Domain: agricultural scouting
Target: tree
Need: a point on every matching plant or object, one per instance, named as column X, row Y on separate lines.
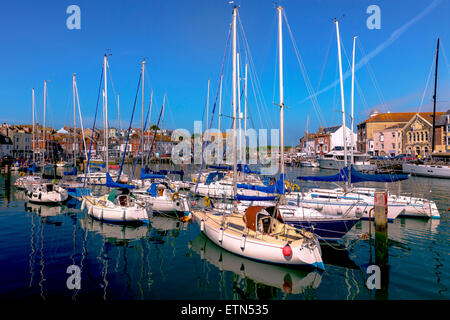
column 154, row 127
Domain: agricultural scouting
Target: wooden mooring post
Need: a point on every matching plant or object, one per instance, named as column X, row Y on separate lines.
column 381, row 240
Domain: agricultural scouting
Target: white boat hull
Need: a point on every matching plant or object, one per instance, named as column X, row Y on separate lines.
column 105, row 210
column 422, row 170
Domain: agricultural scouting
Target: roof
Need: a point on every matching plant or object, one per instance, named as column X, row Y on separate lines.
column 396, row 126
column 331, row 129
column 401, row 117
column 441, row 120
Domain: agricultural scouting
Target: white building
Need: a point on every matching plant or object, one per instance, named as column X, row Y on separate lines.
column 336, row 137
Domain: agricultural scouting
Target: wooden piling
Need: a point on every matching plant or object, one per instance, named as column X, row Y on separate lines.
column 381, row 241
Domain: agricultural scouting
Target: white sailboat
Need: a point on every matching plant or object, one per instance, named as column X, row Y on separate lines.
column 260, row 233
column 361, row 200
column 47, row 193
column 118, row 206
column 94, row 176
column 431, row 170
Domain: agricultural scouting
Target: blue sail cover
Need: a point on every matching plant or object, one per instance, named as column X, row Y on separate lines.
column 241, row 197
column 111, row 184
column 266, row 189
column 145, row 175
column 210, row 178
column 33, row 168
column 176, row 172
column 221, row 167
column 71, row 173
column 356, row 176
column 152, row 189
column 246, row 169
column 342, row 176
column 277, row 188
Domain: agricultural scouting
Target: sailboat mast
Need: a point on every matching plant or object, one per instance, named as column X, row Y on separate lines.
column 74, row 122
column 142, row 122
column 352, row 102
column 106, row 113
column 245, row 102
column 207, row 106
column 149, row 124
column 120, row 133
column 234, row 109
column 239, row 104
column 280, row 70
column 220, row 100
column 434, row 97
column 33, row 143
column 44, row 133
column 342, row 92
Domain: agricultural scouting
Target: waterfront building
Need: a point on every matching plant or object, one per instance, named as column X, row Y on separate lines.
column 381, row 121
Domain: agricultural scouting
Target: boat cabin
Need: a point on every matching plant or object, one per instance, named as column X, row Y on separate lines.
column 262, row 219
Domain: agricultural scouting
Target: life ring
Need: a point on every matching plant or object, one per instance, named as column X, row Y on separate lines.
column 295, row 187
column 174, row 196
column 194, row 180
column 207, row 201
column 21, row 174
column 54, row 181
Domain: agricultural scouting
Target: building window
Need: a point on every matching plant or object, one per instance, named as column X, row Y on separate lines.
column 409, row 136
column 393, row 146
column 393, row 134
column 426, row 136
column 421, row 136
column 325, row 148
column 381, row 137
column 382, row 146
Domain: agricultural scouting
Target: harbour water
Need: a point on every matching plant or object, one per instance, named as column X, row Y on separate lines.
column 172, row 260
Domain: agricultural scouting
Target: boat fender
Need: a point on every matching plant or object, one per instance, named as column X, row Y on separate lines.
column 358, row 212
column 91, row 209
column 101, row 214
column 83, row 204
column 287, row 250
column 40, row 196
column 221, row 234
column 124, row 215
column 207, row 201
column 174, row 196
column 202, row 225
column 243, row 242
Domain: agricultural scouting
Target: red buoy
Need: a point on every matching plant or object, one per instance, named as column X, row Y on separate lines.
column 287, row 250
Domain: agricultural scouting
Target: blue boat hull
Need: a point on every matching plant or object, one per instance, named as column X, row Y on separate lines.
column 330, row 230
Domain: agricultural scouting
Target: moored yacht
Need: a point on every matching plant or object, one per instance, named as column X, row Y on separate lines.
column 334, row 160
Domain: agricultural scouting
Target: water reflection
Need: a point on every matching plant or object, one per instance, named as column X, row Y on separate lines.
column 117, row 234
column 255, row 280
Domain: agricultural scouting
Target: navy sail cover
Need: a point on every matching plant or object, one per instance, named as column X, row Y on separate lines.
column 356, row 176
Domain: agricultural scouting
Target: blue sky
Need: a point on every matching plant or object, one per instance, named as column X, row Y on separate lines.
column 184, row 43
